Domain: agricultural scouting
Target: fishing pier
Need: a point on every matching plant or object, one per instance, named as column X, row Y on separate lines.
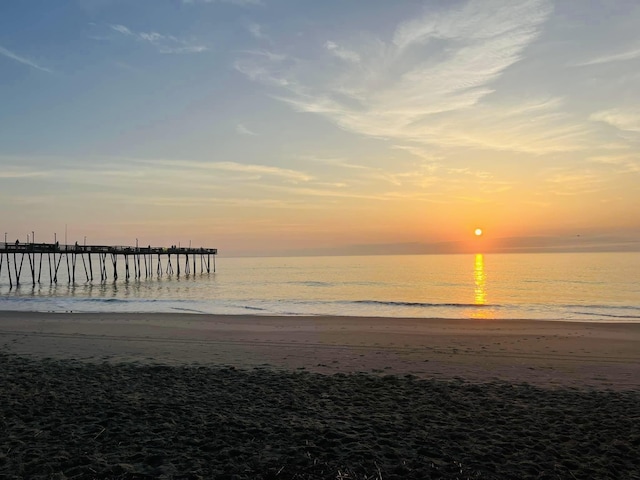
column 53, row 258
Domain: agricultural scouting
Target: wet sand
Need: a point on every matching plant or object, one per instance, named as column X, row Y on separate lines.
column 190, row 396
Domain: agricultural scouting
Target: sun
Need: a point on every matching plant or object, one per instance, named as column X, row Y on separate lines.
column 478, row 232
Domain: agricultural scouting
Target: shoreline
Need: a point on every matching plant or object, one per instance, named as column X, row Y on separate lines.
column 199, row 313
column 545, row 353
column 477, row 314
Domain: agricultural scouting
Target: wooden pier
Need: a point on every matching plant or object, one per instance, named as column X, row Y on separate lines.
column 138, row 261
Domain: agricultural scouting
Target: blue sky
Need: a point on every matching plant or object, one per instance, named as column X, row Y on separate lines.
column 270, row 127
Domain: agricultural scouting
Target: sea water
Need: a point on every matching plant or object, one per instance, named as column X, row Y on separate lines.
column 601, row 287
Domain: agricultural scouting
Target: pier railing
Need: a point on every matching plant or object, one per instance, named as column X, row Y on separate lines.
column 138, row 261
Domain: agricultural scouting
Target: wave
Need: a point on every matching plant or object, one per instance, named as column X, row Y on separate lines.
column 609, row 315
column 81, row 300
column 248, row 307
column 607, row 307
column 100, row 300
column 424, row 304
column 311, row 283
column 192, row 310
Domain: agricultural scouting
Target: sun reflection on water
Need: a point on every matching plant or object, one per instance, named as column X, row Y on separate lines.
column 480, row 292
column 480, row 280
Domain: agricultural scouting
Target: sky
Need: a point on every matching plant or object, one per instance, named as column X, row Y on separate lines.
column 295, row 127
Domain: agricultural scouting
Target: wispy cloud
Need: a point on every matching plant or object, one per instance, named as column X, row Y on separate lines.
column 342, row 53
column 199, row 201
column 271, row 56
column 123, row 180
column 615, row 57
column 167, row 44
column 338, row 193
column 122, row 29
column 16, row 172
column 240, row 3
column 242, row 130
column 438, row 63
column 567, row 182
column 262, row 169
column 263, row 66
column 338, row 162
column 23, row 60
column 622, row 163
column 535, row 126
column 256, row 31
column 627, row 118
column 292, row 175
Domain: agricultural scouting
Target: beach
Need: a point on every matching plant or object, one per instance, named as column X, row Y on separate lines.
column 110, row 395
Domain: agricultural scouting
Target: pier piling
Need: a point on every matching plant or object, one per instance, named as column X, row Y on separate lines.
column 12, row 259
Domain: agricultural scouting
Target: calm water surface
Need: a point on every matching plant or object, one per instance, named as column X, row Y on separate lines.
column 579, row 286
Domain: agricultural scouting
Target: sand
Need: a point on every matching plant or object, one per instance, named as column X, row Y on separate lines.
column 542, row 353
column 191, row 396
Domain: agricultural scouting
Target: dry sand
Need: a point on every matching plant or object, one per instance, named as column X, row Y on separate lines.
column 191, row 396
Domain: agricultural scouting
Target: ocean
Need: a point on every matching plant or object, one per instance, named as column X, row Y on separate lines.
column 594, row 287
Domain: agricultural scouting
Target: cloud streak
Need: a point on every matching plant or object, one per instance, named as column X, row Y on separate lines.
column 436, row 64
column 288, row 174
column 627, row 119
column 621, row 163
column 242, row 130
column 616, row 57
column 570, row 183
column 19, row 173
column 166, row 44
column 342, row 53
column 25, row 61
column 239, row 3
